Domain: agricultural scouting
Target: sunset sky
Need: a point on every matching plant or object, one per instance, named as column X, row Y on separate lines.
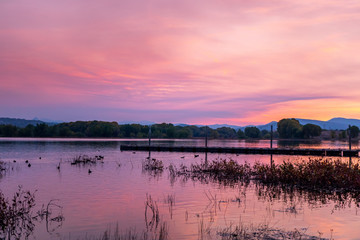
column 200, row 62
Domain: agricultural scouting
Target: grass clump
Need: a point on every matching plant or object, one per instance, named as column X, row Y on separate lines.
column 222, row 171
column 85, row 160
column 16, row 218
column 314, row 173
column 153, row 165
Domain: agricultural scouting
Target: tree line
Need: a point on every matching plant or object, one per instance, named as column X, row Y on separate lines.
column 290, row 128
column 101, row 129
column 286, row 129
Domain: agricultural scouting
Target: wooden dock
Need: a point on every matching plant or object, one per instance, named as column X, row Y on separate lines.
column 262, row 151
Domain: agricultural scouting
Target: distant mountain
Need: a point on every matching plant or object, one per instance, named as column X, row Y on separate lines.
column 19, row 122
column 332, row 124
column 137, row 122
column 216, row 126
column 46, row 120
column 345, row 122
column 268, row 126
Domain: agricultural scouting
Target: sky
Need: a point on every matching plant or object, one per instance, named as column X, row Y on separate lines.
column 182, row 61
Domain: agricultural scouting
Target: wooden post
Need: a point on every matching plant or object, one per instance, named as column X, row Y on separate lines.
column 206, row 137
column 149, row 135
column 271, row 146
column 349, row 132
column 271, row 137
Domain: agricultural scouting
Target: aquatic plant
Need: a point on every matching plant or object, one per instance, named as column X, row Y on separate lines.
column 170, row 200
column 153, row 165
column 152, row 206
column 17, row 219
column 312, row 174
column 85, row 160
column 224, row 171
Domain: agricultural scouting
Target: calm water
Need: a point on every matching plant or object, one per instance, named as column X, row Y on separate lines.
column 114, row 194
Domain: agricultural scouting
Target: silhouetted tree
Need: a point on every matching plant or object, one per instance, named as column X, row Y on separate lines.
column 289, row 128
column 241, row 134
column 252, row 132
column 354, row 131
column 227, row 133
column 311, row 130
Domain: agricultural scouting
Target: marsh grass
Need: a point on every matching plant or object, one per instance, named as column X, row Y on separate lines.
column 151, row 209
column 85, row 160
column 152, row 164
column 153, row 167
column 224, row 171
column 313, row 174
column 170, row 200
column 17, row 217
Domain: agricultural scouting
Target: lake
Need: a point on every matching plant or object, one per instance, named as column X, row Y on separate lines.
column 115, row 193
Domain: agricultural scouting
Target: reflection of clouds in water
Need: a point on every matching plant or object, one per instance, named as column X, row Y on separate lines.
column 113, row 194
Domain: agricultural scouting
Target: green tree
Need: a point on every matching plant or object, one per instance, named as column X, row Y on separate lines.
column 333, row 134
column 183, row 133
column 8, row 130
column 311, row 130
column 41, row 130
column 252, row 132
column 342, row 134
column 354, row 131
column 227, row 133
column 241, row 134
column 289, row 128
column 27, row 131
column 170, row 131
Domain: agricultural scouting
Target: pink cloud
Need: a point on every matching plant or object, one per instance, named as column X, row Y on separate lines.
column 208, row 61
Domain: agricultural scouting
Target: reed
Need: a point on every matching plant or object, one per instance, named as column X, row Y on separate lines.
column 86, row 160
column 313, row 174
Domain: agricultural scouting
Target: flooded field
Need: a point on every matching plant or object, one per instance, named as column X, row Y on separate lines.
column 118, row 193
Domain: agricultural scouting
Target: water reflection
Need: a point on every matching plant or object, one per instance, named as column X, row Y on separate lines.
column 115, row 191
column 298, row 143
